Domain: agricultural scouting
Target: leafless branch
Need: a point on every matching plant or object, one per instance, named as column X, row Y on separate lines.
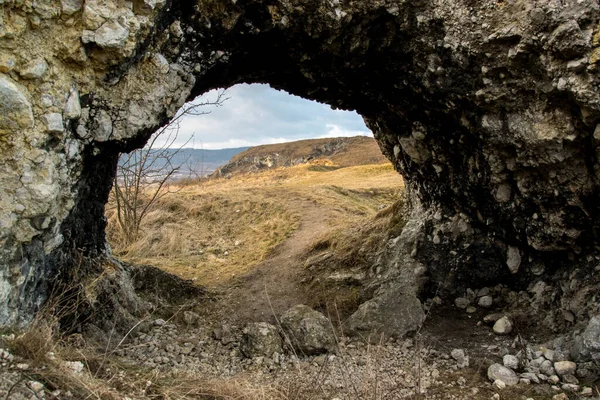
column 144, row 175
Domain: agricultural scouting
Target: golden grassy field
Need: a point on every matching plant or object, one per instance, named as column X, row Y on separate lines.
column 213, row 230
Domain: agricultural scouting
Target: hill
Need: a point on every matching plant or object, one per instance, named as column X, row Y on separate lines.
column 339, row 152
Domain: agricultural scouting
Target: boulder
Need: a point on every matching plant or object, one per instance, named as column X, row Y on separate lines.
column 393, row 313
column 308, row 331
column 563, row 368
column 500, row 372
column 503, row 326
column 260, row 339
column 587, row 346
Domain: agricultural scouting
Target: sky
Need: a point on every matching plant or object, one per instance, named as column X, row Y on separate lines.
column 258, row 114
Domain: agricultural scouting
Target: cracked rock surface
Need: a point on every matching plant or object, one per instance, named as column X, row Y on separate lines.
column 490, row 110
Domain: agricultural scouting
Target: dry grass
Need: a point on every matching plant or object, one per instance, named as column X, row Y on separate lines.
column 207, row 236
column 213, row 230
column 349, row 249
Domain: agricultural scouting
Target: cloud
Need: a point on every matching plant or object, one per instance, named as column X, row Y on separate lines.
column 337, row 131
column 258, row 114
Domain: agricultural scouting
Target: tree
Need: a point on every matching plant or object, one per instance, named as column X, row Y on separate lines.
column 145, row 175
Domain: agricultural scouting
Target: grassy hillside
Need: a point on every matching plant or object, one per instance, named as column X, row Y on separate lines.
column 339, row 152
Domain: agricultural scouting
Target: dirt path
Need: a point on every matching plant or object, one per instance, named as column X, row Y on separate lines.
column 246, row 299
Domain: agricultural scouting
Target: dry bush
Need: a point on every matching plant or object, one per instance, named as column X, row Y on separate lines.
column 35, row 342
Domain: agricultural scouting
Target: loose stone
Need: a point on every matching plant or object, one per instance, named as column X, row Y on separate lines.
column 503, row 326
column 565, row 367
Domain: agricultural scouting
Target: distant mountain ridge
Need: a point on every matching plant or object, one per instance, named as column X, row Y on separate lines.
column 194, row 162
column 202, row 160
column 342, row 152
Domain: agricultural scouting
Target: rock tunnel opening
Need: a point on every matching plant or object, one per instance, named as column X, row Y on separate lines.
column 489, row 111
column 256, row 226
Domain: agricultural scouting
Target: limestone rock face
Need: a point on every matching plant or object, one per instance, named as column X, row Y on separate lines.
column 490, row 111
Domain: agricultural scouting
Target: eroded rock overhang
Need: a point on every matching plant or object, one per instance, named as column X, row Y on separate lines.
column 490, row 110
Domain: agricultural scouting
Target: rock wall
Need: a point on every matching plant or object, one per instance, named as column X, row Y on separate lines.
column 490, row 110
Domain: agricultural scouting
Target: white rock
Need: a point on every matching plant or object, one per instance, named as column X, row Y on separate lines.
column 75, row 366
column 565, row 367
column 513, row 259
column 577, row 65
column 553, row 379
column 46, row 100
column 104, row 127
column 35, row 386
column 72, row 107
column 510, row 361
column 111, row 35
column 34, row 69
column 499, row 384
column 503, row 326
column 88, row 36
column 159, row 322
column 96, row 12
column 175, row 29
column 497, row 371
column 54, row 122
column 503, row 193
column 70, row 7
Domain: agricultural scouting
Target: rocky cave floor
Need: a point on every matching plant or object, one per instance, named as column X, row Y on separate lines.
column 465, row 350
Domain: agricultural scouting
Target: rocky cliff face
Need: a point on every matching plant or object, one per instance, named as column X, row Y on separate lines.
column 490, row 110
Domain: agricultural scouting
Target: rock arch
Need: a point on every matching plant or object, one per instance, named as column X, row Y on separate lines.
column 489, row 109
